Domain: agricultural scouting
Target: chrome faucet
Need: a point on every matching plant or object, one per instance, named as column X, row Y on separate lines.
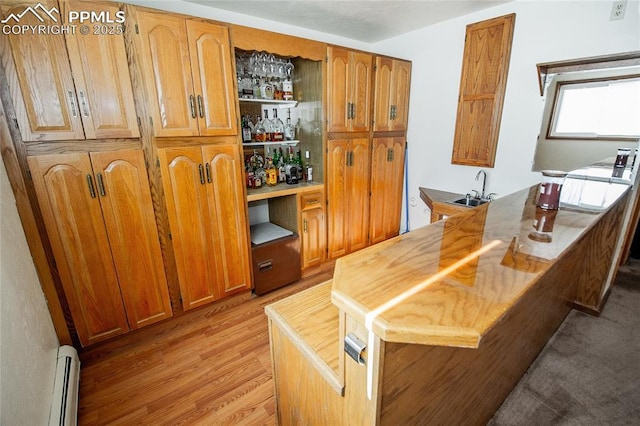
column 484, row 181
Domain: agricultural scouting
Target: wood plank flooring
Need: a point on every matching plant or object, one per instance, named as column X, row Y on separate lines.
column 211, row 366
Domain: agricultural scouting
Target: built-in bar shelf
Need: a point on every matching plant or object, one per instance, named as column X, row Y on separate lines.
column 279, row 103
column 281, row 189
column 271, row 143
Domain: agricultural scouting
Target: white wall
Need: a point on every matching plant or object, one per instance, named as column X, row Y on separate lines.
column 28, row 342
column 544, row 31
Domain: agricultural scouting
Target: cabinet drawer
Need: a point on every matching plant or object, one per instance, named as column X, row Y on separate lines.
column 310, row 201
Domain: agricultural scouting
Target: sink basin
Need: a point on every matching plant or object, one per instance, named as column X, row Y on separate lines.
column 469, row 202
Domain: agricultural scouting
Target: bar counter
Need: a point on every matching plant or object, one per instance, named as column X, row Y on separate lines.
column 452, row 314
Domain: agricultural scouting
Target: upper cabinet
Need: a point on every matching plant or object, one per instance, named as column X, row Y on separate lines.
column 349, row 75
column 72, row 86
column 188, row 75
column 391, row 104
column 485, row 66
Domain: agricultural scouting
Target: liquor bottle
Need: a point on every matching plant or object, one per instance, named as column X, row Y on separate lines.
column 259, row 175
column 260, row 131
column 299, row 165
column 282, row 173
column 287, row 84
column 272, row 173
column 289, row 129
column 308, row 168
column 246, row 130
column 266, row 90
column 277, row 126
column 268, row 126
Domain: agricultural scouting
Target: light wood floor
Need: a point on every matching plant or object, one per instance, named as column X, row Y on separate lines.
column 211, row 366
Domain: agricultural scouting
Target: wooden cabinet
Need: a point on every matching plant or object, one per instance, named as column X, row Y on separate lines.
column 99, row 218
column 391, row 104
column 207, row 216
column 348, row 195
column 67, row 87
column 349, row 78
column 313, row 238
column 387, row 172
column 188, row 75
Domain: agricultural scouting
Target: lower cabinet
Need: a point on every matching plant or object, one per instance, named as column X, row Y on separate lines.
column 99, row 218
column 206, row 209
column 348, row 195
column 313, row 229
column 387, row 172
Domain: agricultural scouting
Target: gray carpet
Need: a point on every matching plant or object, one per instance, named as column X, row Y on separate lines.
column 589, row 372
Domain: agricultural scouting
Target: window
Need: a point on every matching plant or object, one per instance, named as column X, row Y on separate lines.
column 605, row 109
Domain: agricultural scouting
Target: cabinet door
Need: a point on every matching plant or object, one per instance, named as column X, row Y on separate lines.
column 338, row 76
column 399, row 94
column 358, row 190
column 382, row 109
column 228, row 218
column 338, row 197
column 42, row 87
column 101, row 76
column 128, row 214
column 360, row 91
column 67, row 195
column 387, row 171
column 313, row 233
column 183, row 180
column 167, row 74
column 213, row 78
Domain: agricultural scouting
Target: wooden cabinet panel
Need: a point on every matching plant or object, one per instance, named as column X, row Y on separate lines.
column 167, row 74
column 387, row 171
column 313, row 229
column 101, row 75
column 348, row 195
column 382, row 93
column 226, row 203
column 206, row 211
column 487, row 51
column 400, row 86
column 68, row 198
column 348, row 90
column 129, row 218
column 213, row 78
column 391, row 94
column 44, row 95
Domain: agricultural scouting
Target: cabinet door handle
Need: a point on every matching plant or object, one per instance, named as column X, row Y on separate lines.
column 192, row 105
column 208, row 167
column 92, row 190
column 351, row 162
column 100, row 185
column 200, row 106
column 201, row 170
column 72, row 104
column 305, row 225
column 83, row 103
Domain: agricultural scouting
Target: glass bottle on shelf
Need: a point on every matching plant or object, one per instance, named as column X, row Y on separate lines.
column 277, row 126
column 308, row 168
column 272, row 173
column 298, row 162
column 260, row 131
column 266, row 90
column 268, row 126
column 282, row 173
column 289, row 129
column 246, row 129
column 287, row 84
column 257, row 163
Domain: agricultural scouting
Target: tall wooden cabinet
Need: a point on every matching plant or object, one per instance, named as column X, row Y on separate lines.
column 391, row 94
column 188, row 75
column 99, row 217
column 207, row 211
column 387, row 172
column 313, row 229
column 348, row 165
column 72, row 86
column 349, row 78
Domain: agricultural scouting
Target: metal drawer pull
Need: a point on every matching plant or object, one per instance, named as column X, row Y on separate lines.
column 200, row 106
column 306, row 225
column 208, row 167
column 92, row 190
column 201, row 170
column 355, row 348
column 265, row 266
column 192, row 104
column 101, row 185
column 72, row 104
column 84, row 104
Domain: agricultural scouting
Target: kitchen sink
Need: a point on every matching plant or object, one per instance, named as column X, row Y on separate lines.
column 468, row 201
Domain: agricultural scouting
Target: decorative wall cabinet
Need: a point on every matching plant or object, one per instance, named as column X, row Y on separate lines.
column 207, row 211
column 487, row 50
column 391, row 102
column 349, row 79
column 67, row 87
column 99, row 218
column 313, row 229
column 348, row 166
column 188, row 75
column 387, row 172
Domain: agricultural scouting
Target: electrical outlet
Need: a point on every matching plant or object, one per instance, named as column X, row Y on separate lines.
column 617, row 10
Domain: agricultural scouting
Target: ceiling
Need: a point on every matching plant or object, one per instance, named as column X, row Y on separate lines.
column 368, row 21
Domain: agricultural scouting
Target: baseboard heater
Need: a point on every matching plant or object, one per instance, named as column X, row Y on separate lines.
column 64, row 405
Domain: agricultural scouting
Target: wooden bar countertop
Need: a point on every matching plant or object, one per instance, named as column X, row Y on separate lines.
column 450, row 282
